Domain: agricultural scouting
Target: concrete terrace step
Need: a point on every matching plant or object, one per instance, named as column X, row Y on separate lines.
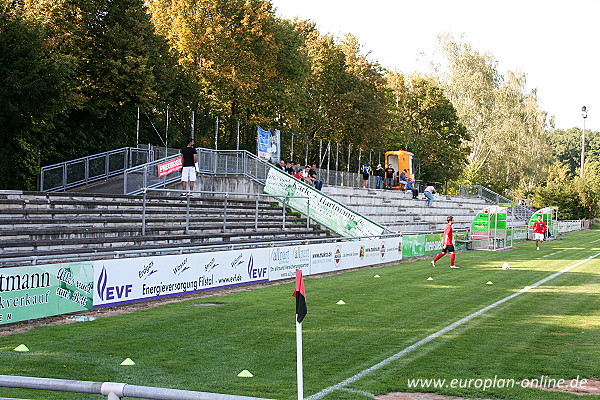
column 39, row 223
column 38, row 248
column 399, row 212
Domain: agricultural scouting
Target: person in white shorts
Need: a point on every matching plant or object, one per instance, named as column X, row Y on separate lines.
column 539, row 229
column 188, row 172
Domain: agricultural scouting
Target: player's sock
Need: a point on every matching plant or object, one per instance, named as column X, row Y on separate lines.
column 438, row 257
column 452, row 257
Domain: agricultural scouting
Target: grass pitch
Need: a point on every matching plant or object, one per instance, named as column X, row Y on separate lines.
column 552, row 330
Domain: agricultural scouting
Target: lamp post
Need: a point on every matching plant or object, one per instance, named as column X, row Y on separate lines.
column 584, row 115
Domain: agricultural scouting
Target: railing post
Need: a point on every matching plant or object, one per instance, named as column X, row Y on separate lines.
column 86, row 170
column 308, row 213
column 256, row 215
column 64, row 177
column 225, row 213
column 284, row 206
column 144, row 214
column 187, row 214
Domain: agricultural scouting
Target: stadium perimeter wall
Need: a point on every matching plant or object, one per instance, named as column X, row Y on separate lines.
column 31, row 292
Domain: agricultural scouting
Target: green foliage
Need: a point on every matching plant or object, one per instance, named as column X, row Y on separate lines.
column 508, row 129
column 575, row 198
column 426, row 123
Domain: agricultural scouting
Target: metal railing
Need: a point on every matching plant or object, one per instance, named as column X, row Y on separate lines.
column 85, row 170
column 225, row 197
column 112, row 390
column 210, row 162
column 519, row 211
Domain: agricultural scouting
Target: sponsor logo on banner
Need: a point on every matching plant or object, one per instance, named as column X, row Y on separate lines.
column 383, row 250
column 107, row 293
column 337, row 256
column 256, row 272
column 169, row 167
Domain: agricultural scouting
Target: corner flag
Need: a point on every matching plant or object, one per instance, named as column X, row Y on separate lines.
column 300, row 296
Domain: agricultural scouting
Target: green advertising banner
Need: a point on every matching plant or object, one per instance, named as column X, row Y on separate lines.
column 433, row 243
column 322, row 208
column 413, row 245
column 37, row 292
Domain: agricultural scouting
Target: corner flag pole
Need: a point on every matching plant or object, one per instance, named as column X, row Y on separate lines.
column 299, row 368
column 300, row 296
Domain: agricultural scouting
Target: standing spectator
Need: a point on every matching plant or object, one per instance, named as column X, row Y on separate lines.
column 379, row 173
column 428, row 192
column 281, row 165
column 366, row 172
column 188, row 172
column 447, row 244
column 315, row 177
column 539, row 228
column 389, row 174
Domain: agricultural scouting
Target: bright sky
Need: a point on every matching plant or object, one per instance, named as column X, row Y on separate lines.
column 554, row 42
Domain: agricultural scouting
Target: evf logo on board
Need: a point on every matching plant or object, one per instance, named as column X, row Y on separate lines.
column 256, row 272
column 108, row 293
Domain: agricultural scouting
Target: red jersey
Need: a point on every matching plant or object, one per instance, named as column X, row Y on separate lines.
column 539, row 227
column 447, row 235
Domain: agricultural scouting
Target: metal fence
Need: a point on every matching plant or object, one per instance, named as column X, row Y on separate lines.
column 85, row 170
column 211, row 162
column 112, row 390
column 519, row 211
column 229, row 162
column 225, row 197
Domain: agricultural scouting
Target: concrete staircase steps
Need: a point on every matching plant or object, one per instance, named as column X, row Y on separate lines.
column 36, row 224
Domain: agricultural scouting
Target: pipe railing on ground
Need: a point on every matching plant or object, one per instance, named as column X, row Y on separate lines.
column 112, row 390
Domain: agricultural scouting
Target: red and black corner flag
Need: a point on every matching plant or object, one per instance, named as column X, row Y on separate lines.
column 300, row 296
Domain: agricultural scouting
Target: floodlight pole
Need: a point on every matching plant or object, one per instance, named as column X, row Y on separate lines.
column 584, row 115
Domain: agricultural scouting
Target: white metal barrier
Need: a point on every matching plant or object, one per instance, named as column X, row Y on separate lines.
column 112, row 390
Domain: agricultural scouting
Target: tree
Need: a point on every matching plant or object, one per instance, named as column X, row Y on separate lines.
column 507, row 127
column 33, row 91
column 426, row 124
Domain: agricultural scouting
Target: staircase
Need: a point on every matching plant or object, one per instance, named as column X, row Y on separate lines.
column 41, row 224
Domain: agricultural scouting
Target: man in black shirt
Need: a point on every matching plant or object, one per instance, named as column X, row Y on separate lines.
column 188, row 172
column 389, row 174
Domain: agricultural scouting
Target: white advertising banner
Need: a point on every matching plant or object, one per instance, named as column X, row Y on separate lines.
column 329, row 257
column 322, row 208
column 146, row 278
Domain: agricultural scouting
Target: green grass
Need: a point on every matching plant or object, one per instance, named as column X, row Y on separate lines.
column 552, row 330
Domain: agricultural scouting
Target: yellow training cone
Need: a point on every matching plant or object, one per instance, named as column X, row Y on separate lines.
column 489, row 283
column 340, row 302
column 21, row 348
column 245, row 374
column 128, row 361
column 430, row 279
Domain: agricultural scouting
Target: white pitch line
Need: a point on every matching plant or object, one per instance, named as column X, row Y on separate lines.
column 411, row 348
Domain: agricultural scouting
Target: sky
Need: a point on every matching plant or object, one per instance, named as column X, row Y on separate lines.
column 554, row 42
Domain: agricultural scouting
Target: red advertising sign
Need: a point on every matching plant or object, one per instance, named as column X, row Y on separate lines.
column 170, row 166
